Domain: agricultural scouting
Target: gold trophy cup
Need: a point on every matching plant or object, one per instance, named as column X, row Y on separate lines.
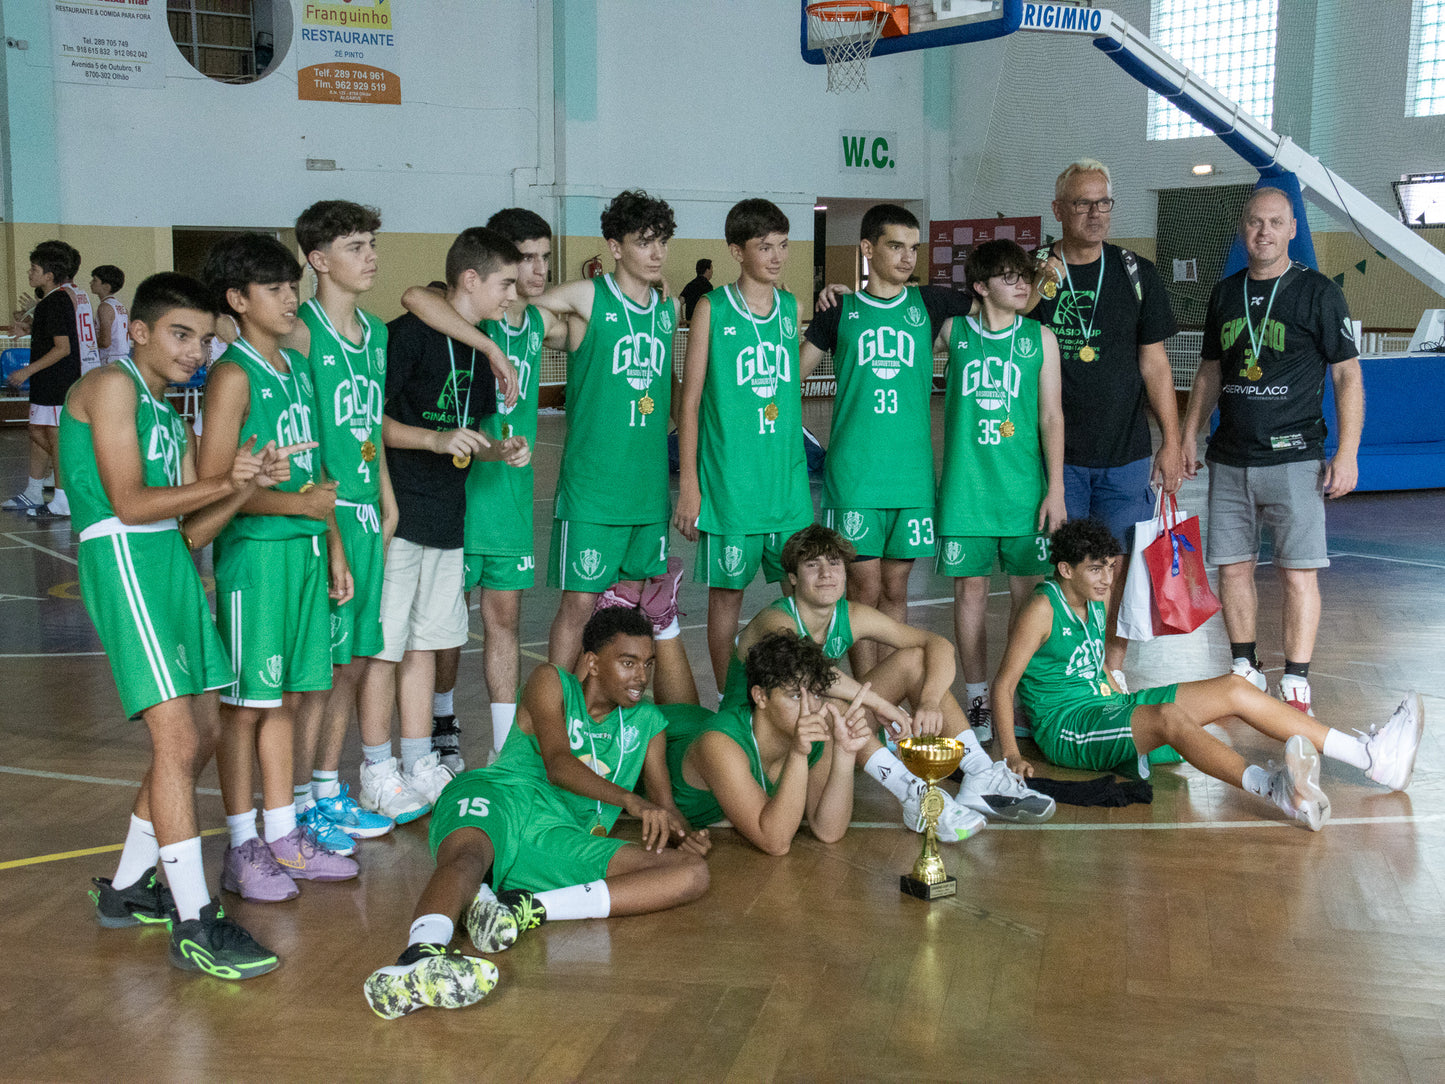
column 931, row 759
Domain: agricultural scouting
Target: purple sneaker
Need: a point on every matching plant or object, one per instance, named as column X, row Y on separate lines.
column 625, row 595
column 659, row 595
column 252, row 872
column 303, row 858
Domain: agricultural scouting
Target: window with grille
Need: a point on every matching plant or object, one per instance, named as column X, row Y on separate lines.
column 1228, row 43
column 1427, row 60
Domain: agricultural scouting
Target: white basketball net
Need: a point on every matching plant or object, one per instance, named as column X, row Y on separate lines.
column 846, row 33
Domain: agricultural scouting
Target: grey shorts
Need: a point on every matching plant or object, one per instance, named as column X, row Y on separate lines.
column 1287, row 498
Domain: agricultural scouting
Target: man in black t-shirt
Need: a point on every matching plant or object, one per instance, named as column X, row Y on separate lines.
column 1111, row 316
column 1270, row 334
column 437, row 390
column 697, row 289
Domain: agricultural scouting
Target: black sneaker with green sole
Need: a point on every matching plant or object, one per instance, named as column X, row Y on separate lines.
column 148, row 902
column 216, row 946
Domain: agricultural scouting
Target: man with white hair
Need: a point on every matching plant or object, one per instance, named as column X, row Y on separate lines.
column 1271, row 332
column 1111, row 316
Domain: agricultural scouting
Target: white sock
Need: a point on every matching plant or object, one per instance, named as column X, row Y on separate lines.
column 139, row 854
column 896, row 779
column 278, row 823
column 431, row 930
column 325, row 784
column 301, row 797
column 33, row 489
column 441, row 703
column 242, row 826
column 591, row 900
column 673, row 629
column 412, row 750
column 974, row 689
column 503, row 716
column 1346, row 748
column 186, row 874
column 377, row 754
column 975, row 760
column 59, row 504
column 1256, row 780
column 48, row 480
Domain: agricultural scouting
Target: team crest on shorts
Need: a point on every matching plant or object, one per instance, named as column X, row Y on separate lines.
column 588, row 564
column 338, row 630
column 853, row 525
column 914, row 316
column 182, row 661
column 271, row 675
column 732, row 561
column 952, row 552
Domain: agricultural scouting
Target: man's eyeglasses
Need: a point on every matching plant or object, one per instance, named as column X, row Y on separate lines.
column 1084, row 206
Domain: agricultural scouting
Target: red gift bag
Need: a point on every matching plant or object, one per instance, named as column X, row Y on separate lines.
column 1183, row 599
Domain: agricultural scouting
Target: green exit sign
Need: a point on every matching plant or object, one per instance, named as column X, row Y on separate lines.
column 870, row 151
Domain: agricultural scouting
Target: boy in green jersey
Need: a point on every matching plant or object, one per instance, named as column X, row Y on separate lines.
column 744, row 475
column 610, row 521
column 499, row 553
column 1002, row 487
column 344, row 354
column 1081, row 719
column 130, row 461
column 526, row 840
column 273, row 575
column 919, row 672
column 785, row 754
column 881, row 339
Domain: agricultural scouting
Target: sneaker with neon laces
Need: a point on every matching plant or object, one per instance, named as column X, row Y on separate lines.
column 384, row 790
column 328, row 834
column 955, row 824
column 216, row 946
column 659, row 596
column 1295, row 691
column 446, row 739
column 980, row 719
column 1295, row 788
column 252, row 872
column 148, row 902
column 1002, row 794
column 494, row 921
column 302, row 856
column 429, row 776
column 1247, row 670
column 429, row 976
column 1392, row 747
column 346, row 813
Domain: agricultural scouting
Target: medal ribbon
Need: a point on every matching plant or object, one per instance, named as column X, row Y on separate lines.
column 1008, row 400
column 506, row 327
column 742, row 305
column 175, row 479
column 456, row 389
column 1093, row 312
column 295, row 401
column 1256, row 339
column 346, row 345
column 626, row 306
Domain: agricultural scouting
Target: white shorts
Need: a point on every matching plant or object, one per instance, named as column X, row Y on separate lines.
column 422, row 605
column 45, row 415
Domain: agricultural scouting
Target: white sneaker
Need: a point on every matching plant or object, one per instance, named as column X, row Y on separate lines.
column 1002, row 794
column 1295, row 788
column 1392, row 747
column 384, row 790
column 1295, row 691
column 1118, row 676
column 955, row 824
column 1245, row 669
column 429, row 776
column 980, row 719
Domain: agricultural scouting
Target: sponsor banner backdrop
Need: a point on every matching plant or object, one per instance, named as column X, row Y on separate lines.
column 347, row 52
column 950, row 242
column 111, row 43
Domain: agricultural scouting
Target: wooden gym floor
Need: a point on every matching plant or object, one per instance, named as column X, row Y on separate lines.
column 1198, row 938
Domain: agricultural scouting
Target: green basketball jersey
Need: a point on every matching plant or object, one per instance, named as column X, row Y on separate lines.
column 1068, row 668
column 350, row 386
column 836, row 642
column 282, row 408
column 751, row 465
column 499, row 497
column 159, row 431
column 614, row 748
column 993, row 467
column 686, row 723
column 619, row 395
column 880, row 451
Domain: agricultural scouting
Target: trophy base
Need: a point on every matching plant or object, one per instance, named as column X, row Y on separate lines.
column 912, row 886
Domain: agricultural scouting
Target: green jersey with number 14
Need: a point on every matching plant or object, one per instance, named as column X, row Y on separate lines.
column 350, row 384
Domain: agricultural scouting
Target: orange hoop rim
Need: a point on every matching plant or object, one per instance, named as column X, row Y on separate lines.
column 850, row 11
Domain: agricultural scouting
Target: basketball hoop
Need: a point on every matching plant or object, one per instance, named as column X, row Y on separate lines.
column 846, row 31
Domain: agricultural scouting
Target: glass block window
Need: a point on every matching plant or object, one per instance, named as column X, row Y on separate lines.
column 1229, row 44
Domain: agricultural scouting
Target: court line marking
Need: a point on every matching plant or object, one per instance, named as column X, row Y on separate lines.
column 1167, row 826
column 67, row 777
column 59, row 856
column 43, row 549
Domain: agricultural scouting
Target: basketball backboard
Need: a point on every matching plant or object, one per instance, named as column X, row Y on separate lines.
column 934, row 23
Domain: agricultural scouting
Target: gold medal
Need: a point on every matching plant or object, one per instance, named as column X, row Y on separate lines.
column 368, row 451
column 1087, row 353
column 1006, row 429
column 461, row 462
column 598, row 830
column 645, row 405
column 506, row 431
column 1254, row 372
column 306, row 487
column 770, row 412
column 1049, row 288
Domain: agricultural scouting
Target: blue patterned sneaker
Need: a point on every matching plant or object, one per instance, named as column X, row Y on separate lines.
column 428, row 976
column 326, row 832
column 346, row 813
column 148, row 902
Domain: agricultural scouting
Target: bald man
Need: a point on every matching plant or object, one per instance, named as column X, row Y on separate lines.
column 1271, row 333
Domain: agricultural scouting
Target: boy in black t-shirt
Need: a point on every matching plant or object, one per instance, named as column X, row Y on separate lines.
column 62, row 336
column 437, row 390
